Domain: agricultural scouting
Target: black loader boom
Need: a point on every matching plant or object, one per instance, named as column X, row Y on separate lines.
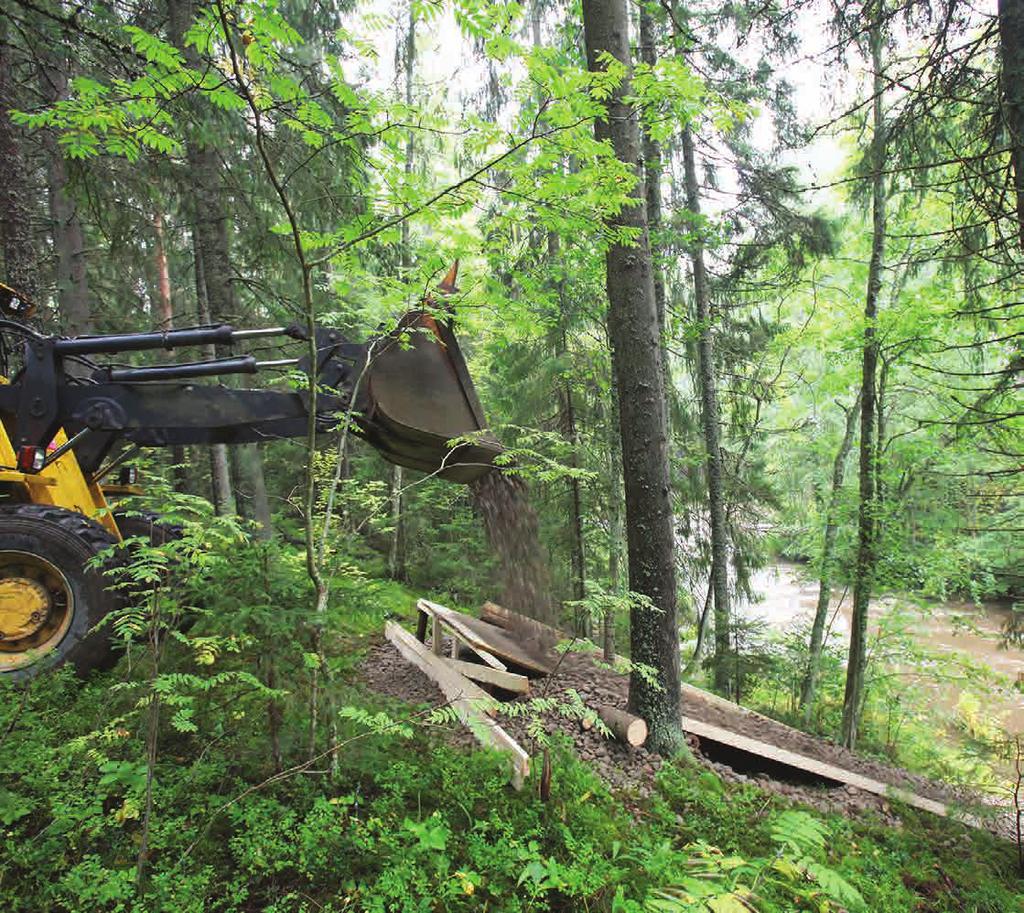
column 68, row 419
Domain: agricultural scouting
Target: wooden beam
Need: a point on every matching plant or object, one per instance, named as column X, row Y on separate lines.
column 458, row 631
column 544, row 634
column 811, row 765
column 470, row 702
column 507, row 680
column 435, row 636
column 492, row 639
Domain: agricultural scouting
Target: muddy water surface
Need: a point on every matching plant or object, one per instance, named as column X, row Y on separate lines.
column 786, row 599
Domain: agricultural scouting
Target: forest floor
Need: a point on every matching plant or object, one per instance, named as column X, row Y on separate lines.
column 632, row 770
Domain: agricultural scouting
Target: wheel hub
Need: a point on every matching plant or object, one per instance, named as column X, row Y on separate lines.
column 36, row 608
column 24, row 607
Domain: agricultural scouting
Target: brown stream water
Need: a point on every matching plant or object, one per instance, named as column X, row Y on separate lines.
column 786, row 599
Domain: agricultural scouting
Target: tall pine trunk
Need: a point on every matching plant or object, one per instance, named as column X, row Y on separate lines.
column 1011, row 84
column 211, row 219
column 65, row 226
column 828, row 548
column 396, row 550
column 711, row 423
column 616, row 524
column 577, row 558
column 163, row 285
column 223, row 494
column 16, row 241
column 652, row 186
column 636, row 360
column 867, row 520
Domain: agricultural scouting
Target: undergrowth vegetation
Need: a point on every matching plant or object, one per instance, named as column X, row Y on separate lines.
column 224, row 766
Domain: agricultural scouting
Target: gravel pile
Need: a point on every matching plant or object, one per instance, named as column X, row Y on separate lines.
column 632, row 770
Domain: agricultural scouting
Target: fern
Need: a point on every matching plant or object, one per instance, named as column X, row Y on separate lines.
column 800, row 833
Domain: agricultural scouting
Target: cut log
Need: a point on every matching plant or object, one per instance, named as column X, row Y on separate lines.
column 534, row 632
column 624, row 726
column 519, row 684
column 470, row 702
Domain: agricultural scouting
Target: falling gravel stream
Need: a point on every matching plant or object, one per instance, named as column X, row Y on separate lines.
column 513, row 533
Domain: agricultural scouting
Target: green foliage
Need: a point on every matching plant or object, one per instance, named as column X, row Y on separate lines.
column 406, row 822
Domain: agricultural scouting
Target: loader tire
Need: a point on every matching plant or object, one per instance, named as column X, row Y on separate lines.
column 148, row 526
column 50, row 602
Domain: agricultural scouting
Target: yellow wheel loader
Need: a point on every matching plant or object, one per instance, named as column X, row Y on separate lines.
column 69, row 421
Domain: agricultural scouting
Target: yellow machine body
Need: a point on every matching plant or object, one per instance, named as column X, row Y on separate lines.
column 61, row 484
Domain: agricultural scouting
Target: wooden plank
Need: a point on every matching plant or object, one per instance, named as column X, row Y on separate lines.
column 491, row 638
column 811, row 765
column 507, row 680
column 435, row 636
column 468, row 700
column 456, row 630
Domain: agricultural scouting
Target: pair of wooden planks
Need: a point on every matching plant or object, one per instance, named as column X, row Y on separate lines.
column 492, row 644
column 472, row 704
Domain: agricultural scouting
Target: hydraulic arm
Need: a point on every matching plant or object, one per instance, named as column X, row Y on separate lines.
column 67, row 419
column 409, row 392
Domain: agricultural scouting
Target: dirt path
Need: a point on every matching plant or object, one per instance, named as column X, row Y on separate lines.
column 633, row 770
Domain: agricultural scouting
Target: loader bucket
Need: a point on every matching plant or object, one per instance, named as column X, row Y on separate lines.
column 420, row 397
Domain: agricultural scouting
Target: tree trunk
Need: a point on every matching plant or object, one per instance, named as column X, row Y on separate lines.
column 1011, row 79
column 636, row 360
column 16, row 241
column 66, row 229
column 211, row 223
column 856, row 666
column 250, row 468
column 220, row 470
column 652, row 190
column 396, row 553
column 163, row 275
column 710, row 417
column 615, row 518
column 880, row 434
column 828, row 547
column 577, row 560
column 163, row 285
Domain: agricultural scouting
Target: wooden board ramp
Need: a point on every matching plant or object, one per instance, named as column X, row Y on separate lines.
column 811, row 765
column 514, row 622
column 488, row 641
column 470, row 702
